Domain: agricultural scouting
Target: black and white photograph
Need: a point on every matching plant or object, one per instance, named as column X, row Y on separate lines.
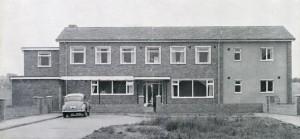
column 149, row 69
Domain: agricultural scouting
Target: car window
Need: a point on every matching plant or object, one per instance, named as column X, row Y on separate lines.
column 74, row 98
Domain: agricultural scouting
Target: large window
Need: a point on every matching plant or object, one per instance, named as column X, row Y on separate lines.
column 44, row 59
column 127, row 55
column 77, row 55
column 202, row 54
column 267, row 54
column 112, row 87
column 267, row 86
column 237, row 54
column 153, row 55
column 177, row 55
column 103, row 55
column 193, row 88
column 238, row 86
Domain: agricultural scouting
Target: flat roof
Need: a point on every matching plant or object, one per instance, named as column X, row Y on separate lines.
column 39, row 48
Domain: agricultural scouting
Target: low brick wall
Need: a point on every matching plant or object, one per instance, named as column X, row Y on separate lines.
column 286, row 109
column 117, row 108
column 15, row 112
column 210, row 108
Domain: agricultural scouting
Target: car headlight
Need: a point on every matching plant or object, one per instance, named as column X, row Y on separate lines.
column 83, row 107
column 63, row 107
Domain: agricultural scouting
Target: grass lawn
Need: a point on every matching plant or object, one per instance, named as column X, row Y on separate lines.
column 225, row 127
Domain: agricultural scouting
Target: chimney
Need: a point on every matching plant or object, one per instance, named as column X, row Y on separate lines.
column 72, row 26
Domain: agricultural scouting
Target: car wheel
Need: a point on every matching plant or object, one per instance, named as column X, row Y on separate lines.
column 64, row 115
column 84, row 114
column 88, row 113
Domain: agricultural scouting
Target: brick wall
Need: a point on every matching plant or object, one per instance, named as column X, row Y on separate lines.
column 289, row 73
column 31, row 64
column 23, row 91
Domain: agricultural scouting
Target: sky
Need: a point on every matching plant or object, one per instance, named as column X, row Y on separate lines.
column 37, row 23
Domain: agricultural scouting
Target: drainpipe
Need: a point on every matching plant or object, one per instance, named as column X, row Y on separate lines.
column 219, row 78
column 66, row 65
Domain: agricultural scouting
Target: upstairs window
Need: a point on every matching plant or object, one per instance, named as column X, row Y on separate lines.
column 44, row 59
column 153, row 55
column 103, row 55
column 77, row 55
column 237, row 54
column 127, row 55
column 267, row 54
column 267, row 86
column 238, row 86
column 202, row 54
column 177, row 55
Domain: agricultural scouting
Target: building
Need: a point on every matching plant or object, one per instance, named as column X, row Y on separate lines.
column 180, row 69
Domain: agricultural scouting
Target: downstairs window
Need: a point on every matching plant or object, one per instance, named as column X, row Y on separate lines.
column 193, row 88
column 112, row 87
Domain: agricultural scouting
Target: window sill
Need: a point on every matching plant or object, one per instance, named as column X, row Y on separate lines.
column 190, row 97
column 267, row 92
column 238, row 92
column 267, row 60
column 237, row 60
column 112, row 94
column 44, row 66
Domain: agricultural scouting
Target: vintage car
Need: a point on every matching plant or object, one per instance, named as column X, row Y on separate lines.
column 76, row 103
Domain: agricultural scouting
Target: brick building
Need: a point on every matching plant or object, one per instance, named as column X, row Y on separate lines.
column 174, row 69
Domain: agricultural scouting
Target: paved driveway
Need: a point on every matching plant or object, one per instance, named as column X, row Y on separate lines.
column 76, row 127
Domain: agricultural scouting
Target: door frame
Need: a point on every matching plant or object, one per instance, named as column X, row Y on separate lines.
column 146, row 93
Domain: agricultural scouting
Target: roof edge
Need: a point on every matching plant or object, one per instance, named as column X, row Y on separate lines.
column 38, row 48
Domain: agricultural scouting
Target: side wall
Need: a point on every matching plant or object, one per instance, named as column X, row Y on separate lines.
column 251, row 70
column 23, row 91
column 31, row 64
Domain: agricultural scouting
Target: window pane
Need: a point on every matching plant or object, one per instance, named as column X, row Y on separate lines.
column 94, row 89
column 77, row 49
column 237, row 88
column 119, row 87
column 203, row 56
column 153, row 57
column 178, row 57
column 199, row 88
column 78, row 57
column 45, row 61
column 175, row 91
column 202, row 49
column 263, row 86
column 263, row 52
column 105, row 87
column 129, row 89
column 210, row 90
column 185, row 88
column 269, row 53
column 104, row 58
column 237, row 56
column 127, row 57
column 237, row 82
column 177, row 49
column 270, row 85
column 98, row 57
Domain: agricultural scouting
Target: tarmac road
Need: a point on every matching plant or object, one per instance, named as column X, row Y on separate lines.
column 74, row 127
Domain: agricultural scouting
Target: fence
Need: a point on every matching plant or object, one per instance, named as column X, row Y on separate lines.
column 274, row 107
column 42, row 105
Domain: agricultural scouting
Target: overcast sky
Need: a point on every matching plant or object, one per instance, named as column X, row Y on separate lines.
column 37, row 23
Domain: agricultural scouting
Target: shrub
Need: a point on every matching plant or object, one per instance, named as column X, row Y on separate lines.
column 109, row 129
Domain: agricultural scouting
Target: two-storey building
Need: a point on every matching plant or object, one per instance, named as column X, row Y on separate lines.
column 181, row 69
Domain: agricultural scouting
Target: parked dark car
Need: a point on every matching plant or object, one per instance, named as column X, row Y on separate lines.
column 76, row 103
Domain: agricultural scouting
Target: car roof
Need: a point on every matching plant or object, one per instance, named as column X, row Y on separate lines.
column 75, row 94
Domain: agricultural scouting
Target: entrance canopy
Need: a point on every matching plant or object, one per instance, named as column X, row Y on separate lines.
column 106, row 78
column 152, row 78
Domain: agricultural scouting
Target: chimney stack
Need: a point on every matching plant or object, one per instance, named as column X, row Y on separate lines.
column 72, row 26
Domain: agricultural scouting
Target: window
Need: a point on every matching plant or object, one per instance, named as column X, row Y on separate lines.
column 266, row 86
column 237, row 54
column 127, row 55
column 44, row 59
column 77, row 55
column 112, row 87
column 94, row 87
column 177, row 55
column 202, row 54
column 193, row 88
column 153, row 55
column 238, row 86
column 267, row 54
column 102, row 55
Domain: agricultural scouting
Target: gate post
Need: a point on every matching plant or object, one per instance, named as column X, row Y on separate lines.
column 298, row 104
column 2, row 106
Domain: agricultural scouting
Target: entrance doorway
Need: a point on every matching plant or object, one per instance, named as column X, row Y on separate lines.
column 151, row 90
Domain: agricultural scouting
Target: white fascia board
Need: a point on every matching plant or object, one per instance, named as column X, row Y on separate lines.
column 152, row 78
column 39, row 48
column 34, row 78
column 105, row 78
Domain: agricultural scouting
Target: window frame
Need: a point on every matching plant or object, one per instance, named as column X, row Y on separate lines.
column 121, row 54
column 197, row 54
column 237, row 52
column 178, row 88
column 267, row 88
column 272, row 54
column 108, row 55
column 146, row 54
column 174, row 51
column 128, row 83
column 97, row 84
column 235, row 84
column 39, row 56
column 72, row 52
